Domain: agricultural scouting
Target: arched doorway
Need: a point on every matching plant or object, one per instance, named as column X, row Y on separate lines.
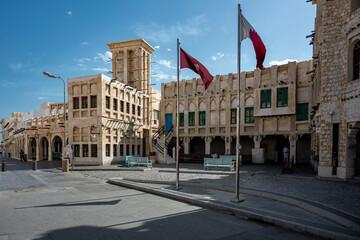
column 197, row 146
column 56, row 148
column 217, row 145
column 32, row 148
column 273, row 147
column 303, row 149
column 44, row 149
column 247, row 144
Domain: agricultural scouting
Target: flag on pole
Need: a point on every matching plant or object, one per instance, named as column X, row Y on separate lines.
column 187, row 61
column 247, row 31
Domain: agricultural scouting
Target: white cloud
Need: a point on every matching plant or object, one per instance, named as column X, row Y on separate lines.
column 69, row 13
column 101, row 69
column 161, row 76
column 218, row 56
column 82, row 60
column 157, row 47
column 42, row 98
column 16, row 66
column 106, row 57
column 281, row 62
column 159, row 33
column 169, row 49
column 84, row 44
column 174, row 77
column 166, row 63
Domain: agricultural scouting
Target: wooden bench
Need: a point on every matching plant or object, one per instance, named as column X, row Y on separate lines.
column 127, row 159
column 139, row 161
column 219, row 162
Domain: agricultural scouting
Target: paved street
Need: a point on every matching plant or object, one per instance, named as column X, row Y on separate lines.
column 49, row 204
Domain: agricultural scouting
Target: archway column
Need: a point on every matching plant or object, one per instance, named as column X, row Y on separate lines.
column 227, row 145
column 207, row 144
column 257, row 153
column 49, row 148
column 292, row 140
column 37, row 147
column 186, row 143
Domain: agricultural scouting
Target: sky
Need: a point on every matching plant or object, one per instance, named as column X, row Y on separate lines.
column 68, row 38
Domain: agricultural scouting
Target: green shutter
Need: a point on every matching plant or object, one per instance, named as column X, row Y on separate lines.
column 302, row 111
column 233, row 116
column 249, row 115
column 265, row 99
column 202, row 118
column 181, row 122
column 191, row 119
column 282, row 97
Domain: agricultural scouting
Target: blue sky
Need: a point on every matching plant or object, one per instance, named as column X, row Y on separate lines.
column 68, row 38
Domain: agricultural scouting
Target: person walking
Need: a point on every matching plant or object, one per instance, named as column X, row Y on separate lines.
column 22, row 159
column 286, row 153
column 3, row 153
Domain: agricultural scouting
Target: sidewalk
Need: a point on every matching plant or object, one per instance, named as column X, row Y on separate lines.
column 330, row 226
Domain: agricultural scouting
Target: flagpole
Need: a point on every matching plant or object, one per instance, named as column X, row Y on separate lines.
column 177, row 118
column 238, row 147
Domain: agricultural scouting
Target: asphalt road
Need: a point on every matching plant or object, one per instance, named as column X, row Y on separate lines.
column 55, row 205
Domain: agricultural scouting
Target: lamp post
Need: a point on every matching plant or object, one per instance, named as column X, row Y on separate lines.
column 53, row 76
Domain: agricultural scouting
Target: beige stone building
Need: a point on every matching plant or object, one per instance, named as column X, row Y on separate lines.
column 274, row 113
column 107, row 118
column 335, row 113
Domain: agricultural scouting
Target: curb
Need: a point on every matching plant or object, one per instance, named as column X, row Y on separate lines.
column 198, row 172
column 107, row 169
column 292, row 202
column 233, row 211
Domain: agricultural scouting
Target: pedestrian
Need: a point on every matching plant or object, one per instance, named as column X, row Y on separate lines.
column 286, row 153
column 22, row 155
column 214, row 155
column 4, row 153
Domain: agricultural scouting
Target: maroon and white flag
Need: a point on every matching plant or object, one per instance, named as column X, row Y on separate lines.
column 247, row 31
column 187, row 61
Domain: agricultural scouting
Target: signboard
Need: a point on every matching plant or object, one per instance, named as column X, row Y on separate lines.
column 68, row 150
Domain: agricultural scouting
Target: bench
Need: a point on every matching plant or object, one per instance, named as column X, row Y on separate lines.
column 127, row 159
column 232, row 157
column 139, row 161
column 219, row 162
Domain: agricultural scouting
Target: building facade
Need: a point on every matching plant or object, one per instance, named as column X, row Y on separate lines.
column 335, row 113
column 274, row 112
column 107, row 118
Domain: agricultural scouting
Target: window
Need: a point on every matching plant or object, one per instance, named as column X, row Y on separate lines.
column 115, row 104
column 84, row 102
column 181, row 120
column 76, row 103
column 122, row 106
column 202, row 118
column 139, row 110
column 76, row 150
column 93, row 101
column 133, row 109
column 107, row 102
column 94, row 150
column 156, row 115
column 107, row 150
column 249, row 115
column 356, row 61
column 127, row 107
column 265, row 99
column 85, row 152
column 233, row 116
column 302, row 111
column 191, row 119
column 114, row 150
column 282, row 97
column 121, row 150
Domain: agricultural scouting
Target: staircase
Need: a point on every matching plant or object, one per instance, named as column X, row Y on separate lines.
column 160, row 142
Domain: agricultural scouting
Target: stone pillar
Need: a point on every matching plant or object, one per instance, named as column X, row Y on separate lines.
column 37, row 149
column 228, row 145
column 207, row 145
column 49, row 149
column 292, row 140
column 257, row 152
column 186, row 145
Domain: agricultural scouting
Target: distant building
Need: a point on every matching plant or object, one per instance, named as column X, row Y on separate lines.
column 335, row 113
column 274, row 113
column 107, row 118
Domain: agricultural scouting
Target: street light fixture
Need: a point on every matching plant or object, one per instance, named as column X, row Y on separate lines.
column 53, row 76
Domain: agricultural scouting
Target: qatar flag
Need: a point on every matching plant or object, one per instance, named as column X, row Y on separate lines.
column 187, row 61
column 247, row 31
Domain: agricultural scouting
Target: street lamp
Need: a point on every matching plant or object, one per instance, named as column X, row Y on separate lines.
column 53, row 76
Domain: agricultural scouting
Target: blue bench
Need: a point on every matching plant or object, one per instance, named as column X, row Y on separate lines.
column 127, row 159
column 219, row 162
column 139, row 161
column 233, row 157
